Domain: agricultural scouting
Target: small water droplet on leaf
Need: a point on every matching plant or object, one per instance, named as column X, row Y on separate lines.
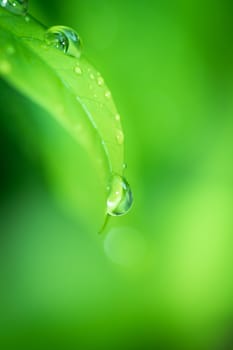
column 78, row 70
column 108, row 94
column 117, row 117
column 92, row 76
column 100, row 81
column 18, row 7
column 64, row 39
column 120, row 198
column 120, row 137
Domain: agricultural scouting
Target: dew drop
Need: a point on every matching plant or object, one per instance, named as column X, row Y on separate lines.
column 108, row 94
column 120, row 137
column 120, row 198
column 92, row 76
column 18, row 7
column 64, row 39
column 117, row 117
column 78, row 70
column 100, row 81
column 57, row 39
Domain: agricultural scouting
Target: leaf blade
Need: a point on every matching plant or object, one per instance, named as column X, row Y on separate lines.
column 83, row 105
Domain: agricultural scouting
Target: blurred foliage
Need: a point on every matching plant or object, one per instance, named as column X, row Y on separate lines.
column 161, row 276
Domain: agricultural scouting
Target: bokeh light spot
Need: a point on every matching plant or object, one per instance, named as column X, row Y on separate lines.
column 125, row 246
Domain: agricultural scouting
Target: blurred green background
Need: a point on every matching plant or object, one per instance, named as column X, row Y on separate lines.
column 161, row 276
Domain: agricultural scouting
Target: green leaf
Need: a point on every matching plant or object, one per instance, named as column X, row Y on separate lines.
column 69, row 88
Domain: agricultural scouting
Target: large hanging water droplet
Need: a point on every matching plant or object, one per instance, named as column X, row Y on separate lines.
column 18, row 7
column 64, row 39
column 120, row 198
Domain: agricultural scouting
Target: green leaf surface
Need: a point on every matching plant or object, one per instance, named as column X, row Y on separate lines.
column 69, row 88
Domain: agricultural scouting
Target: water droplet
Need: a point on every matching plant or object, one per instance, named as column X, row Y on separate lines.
column 117, row 117
column 92, row 76
column 124, row 166
column 108, row 94
column 78, row 70
column 100, row 81
column 120, row 137
column 57, row 39
column 120, row 197
column 27, row 19
column 18, row 7
column 64, row 39
column 5, row 67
